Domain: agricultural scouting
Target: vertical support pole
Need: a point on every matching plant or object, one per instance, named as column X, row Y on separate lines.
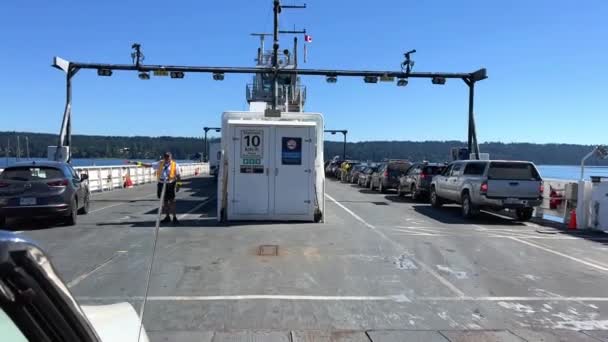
column 27, row 147
column 472, row 136
column 344, row 146
column 205, row 147
column 65, row 135
column 275, row 54
column 8, row 149
column 18, row 154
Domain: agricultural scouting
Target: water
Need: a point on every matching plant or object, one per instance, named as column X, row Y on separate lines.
column 84, row 161
column 571, row 172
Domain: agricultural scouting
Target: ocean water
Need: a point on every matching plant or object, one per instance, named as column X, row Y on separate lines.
column 83, row 161
column 571, row 172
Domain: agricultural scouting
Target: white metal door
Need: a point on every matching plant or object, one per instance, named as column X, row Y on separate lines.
column 252, row 160
column 292, row 170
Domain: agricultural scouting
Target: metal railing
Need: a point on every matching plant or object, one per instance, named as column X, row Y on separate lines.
column 287, row 94
column 107, row 178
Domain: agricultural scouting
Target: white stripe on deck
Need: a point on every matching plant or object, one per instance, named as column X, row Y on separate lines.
column 197, row 207
column 427, row 268
column 389, row 298
column 564, row 255
column 85, row 275
column 122, row 203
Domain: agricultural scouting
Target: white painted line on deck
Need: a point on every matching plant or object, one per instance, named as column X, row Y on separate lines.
column 391, row 298
column 424, row 266
column 564, row 255
column 122, row 203
column 83, row 276
column 200, row 205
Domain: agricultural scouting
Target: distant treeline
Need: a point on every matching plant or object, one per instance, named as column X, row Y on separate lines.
column 92, row 146
column 438, row 151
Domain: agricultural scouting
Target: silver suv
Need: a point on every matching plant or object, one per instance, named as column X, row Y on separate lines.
column 495, row 184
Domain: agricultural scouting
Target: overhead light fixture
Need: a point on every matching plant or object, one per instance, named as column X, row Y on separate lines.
column 438, row 80
column 144, row 75
column 370, row 79
column 402, row 82
column 104, row 72
column 218, row 76
column 176, row 74
column 331, row 79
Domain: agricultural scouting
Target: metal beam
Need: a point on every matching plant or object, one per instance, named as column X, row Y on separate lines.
column 253, row 70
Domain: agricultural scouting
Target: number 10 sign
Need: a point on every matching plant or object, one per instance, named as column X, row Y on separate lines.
column 252, row 144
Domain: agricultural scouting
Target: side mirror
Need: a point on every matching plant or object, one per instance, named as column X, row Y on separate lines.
column 84, row 177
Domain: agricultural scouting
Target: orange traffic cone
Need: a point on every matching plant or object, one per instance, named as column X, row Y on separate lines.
column 128, row 183
column 572, row 222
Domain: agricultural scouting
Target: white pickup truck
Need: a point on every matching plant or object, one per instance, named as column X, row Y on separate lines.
column 489, row 184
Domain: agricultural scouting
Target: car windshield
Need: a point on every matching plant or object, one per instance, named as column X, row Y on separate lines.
column 515, row 171
column 27, row 173
column 433, row 170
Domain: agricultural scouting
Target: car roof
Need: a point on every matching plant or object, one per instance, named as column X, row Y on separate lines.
column 47, row 163
column 431, row 164
column 494, row 160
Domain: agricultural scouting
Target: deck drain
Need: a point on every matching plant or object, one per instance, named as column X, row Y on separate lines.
column 380, row 203
column 268, row 250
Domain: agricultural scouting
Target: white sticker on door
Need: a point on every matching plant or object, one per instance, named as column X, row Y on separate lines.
column 252, row 151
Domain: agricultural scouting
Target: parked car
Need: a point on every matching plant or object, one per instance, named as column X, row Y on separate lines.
column 365, row 176
column 346, row 169
column 495, row 185
column 387, row 176
column 354, row 173
column 417, row 180
column 332, row 168
column 43, row 189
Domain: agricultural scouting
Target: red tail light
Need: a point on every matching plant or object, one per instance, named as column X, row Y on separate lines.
column 59, row 183
column 385, row 173
column 541, row 188
column 484, row 188
column 423, row 176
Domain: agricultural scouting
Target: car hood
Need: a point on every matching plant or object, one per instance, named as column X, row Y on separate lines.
column 115, row 322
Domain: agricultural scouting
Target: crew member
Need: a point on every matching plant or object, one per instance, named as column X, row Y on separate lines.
column 167, row 172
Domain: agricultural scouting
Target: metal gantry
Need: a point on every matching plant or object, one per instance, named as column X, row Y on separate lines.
column 206, row 151
column 176, row 71
column 344, row 132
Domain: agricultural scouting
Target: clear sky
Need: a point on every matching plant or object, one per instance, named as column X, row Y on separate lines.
column 546, row 62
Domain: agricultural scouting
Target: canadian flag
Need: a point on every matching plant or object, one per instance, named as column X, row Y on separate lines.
column 307, row 38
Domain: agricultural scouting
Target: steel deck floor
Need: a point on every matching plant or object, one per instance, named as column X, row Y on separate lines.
column 381, row 268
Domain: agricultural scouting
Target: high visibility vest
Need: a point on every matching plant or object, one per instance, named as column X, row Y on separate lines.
column 161, row 166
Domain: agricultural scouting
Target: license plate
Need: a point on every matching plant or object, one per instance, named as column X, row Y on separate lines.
column 27, row 201
column 512, row 200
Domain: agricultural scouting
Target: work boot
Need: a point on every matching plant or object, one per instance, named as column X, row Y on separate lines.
column 175, row 221
column 167, row 219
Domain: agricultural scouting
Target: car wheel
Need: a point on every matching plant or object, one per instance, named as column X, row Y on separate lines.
column 524, row 214
column 468, row 209
column 85, row 208
column 436, row 201
column 415, row 194
column 73, row 215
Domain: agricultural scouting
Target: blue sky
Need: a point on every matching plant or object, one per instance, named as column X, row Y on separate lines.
column 546, row 62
